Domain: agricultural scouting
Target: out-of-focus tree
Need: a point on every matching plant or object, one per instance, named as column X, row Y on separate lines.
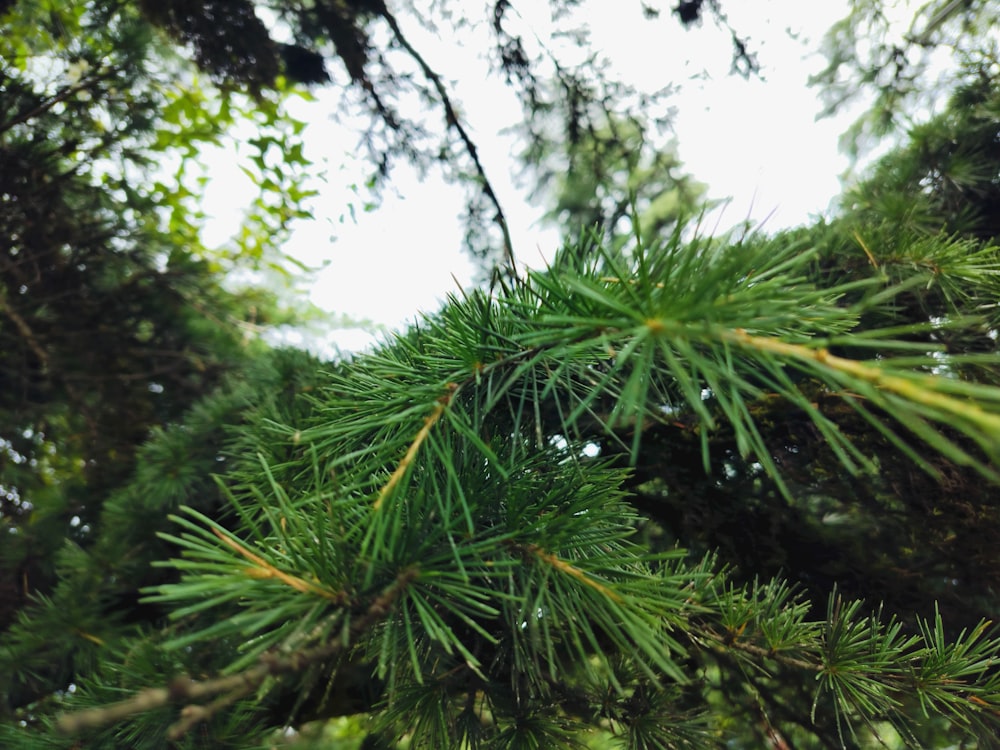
column 364, row 50
column 114, row 318
column 908, row 56
column 602, row 178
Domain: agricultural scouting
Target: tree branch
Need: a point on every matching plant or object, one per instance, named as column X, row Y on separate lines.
column 24, row 329
column 232, row 687
column 454, row 122
column 60, row 96
column 722, row 644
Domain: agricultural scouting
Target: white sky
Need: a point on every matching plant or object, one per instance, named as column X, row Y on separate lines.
column 756, row 142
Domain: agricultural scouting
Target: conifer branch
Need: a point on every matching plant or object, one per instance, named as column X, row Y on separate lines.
column 429, row 422
column 233, row 687
column 193, row 714
column 913, row 390
column 721, row 643
column 264, row 569
column 24, row 329
column 571, row 570
column 86, row 82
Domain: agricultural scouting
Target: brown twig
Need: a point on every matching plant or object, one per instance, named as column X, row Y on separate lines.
column 61, row 95
column 453, row 121
column 24, row 329
column 232, row 687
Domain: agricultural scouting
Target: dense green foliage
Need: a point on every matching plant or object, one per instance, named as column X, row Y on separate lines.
column 909, row 56
column 673, row 491
column 113, row 321
column 99, row 338
column 448, row 532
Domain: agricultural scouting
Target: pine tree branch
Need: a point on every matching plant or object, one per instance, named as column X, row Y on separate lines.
column 571, row 570
column 264, row 569
column 232, row 687
column 916, row 392
column 723, row 643
column 60, row 96
column 439, row 409
column 193, row 714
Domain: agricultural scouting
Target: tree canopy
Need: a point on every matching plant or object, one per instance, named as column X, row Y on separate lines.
column 673, row 490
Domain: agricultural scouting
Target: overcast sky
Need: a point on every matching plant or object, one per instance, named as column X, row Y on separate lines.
column 756, row 142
